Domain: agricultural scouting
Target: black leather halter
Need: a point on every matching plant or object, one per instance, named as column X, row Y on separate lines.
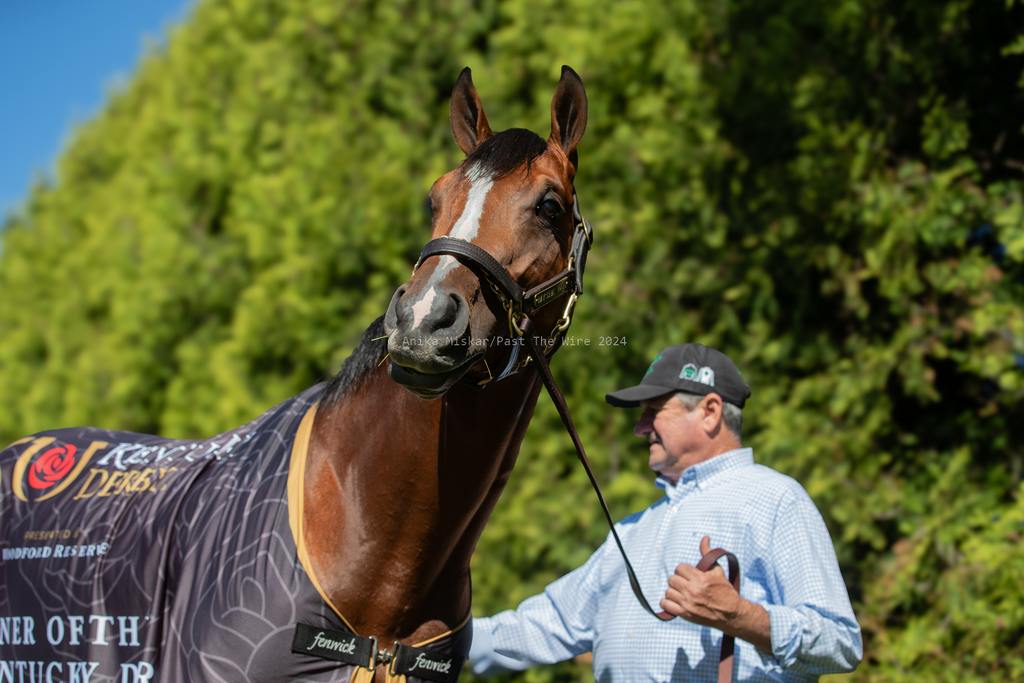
column 518, row 305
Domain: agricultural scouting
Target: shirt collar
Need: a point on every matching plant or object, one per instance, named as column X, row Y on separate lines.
column 702, row 474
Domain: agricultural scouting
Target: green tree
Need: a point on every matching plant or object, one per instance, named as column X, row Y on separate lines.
column 830, row 193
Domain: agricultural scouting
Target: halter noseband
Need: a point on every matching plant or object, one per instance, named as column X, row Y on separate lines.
column 518, row 305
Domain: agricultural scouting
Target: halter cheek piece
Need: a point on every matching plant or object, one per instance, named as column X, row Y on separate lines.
column 520, row 306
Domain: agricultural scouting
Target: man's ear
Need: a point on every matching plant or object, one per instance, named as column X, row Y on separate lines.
column 714, row 411
column 469, row 122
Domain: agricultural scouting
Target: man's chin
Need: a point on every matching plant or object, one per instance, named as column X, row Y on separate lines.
column 662, row 463
column 657, row 462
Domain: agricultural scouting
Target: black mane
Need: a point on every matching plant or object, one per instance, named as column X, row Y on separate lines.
column 504, row 152
column 372, row 347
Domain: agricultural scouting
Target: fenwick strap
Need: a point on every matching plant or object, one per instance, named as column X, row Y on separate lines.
column 341, row 646
column 349, row 648
column 423, row 663
column 707, row 562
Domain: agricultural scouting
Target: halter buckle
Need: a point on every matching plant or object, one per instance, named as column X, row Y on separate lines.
column 513, row 326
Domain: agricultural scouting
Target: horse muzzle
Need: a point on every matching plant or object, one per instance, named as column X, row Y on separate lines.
column 429, row 341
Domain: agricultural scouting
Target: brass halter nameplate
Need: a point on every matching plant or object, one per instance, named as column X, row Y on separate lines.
column 548, row 294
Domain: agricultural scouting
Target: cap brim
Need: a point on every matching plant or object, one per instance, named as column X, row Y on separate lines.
column 631, row 397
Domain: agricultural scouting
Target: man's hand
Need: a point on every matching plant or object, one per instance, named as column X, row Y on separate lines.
column 707, row 598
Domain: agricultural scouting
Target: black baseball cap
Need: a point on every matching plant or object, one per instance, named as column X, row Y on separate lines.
column 693, row 368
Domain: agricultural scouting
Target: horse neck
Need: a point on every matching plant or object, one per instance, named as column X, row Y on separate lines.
column 397, row 490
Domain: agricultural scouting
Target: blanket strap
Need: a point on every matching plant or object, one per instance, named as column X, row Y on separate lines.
column 365, row 656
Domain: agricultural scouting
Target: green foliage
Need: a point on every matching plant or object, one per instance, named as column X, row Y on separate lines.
column 829, row 192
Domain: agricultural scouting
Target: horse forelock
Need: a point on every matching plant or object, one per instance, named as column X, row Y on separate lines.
column 504, row 152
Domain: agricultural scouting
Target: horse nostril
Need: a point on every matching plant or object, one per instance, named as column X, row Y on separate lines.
column 458, row 304
column 395, row 315
column 446, row 314
column 449, row 316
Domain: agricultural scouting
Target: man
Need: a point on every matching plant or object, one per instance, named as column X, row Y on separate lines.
column 792, row 617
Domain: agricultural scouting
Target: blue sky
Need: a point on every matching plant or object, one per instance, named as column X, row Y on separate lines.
column 58, row 60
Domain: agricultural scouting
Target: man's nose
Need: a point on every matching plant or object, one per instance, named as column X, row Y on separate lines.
column 643, row 425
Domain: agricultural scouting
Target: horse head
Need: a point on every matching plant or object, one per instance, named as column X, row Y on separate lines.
column 505, row 219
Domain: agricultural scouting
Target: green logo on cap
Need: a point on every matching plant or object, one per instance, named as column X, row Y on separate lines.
column 650, row 368
column 703, row 375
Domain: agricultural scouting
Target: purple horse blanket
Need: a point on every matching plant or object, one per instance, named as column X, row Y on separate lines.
column 133, row 558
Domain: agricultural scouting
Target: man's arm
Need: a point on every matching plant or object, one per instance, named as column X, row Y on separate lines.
column 813, row 628
column 550, row 627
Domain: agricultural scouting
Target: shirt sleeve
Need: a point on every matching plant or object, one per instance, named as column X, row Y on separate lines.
column 553, row 626
column 813, row 628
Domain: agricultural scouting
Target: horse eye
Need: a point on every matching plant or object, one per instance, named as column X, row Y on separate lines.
column 428, row 206
column 549, row 208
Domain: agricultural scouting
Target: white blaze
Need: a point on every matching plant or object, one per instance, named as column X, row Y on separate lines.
column 466, row 228
column 468, row 224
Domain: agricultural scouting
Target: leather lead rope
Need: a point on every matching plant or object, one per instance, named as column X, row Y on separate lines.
column 707, row 562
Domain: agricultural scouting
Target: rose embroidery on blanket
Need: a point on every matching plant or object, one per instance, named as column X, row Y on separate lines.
column 52, row 466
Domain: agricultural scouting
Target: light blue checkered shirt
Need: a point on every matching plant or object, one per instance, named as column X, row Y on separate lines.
column 788, row 566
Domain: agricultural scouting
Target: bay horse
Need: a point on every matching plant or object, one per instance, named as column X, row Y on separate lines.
column 329, row 539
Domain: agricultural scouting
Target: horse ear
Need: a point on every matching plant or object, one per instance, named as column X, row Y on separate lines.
column 569, row 112
column 469, row 122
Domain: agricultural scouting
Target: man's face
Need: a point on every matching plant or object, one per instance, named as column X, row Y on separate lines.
column 675, row 435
